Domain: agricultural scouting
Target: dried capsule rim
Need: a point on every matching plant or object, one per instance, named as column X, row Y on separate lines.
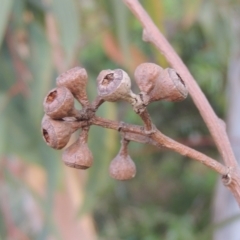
column 57, row 133
column 104, row 89
column 46, row 128
column 75, row 165
column 55, row 99
column 178, row 82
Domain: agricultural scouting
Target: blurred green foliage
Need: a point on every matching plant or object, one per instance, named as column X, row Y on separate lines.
column 170, row 198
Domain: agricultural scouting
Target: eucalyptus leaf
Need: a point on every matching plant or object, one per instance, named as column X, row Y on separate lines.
column 42, row 69
column 3, row 123
column 67, row 15
column 121, row 21
column 5, row 11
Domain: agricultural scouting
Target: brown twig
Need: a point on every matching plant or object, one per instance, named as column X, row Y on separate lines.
column 146, row 119
column 152, row 34
column 138, row 134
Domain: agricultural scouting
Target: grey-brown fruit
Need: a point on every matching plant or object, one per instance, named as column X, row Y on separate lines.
column 114, row 85
column 75, row 80
column 56, row 133
column 78, row 155
column 59, row 103
column 122, row 166
column 159, row 83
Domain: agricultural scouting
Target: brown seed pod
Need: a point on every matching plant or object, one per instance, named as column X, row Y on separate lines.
column 114, row 85
column 122, row 166
column 56, row 133
column 159, row 83
column 78, row 155
column 75, row 80
column 59, row 103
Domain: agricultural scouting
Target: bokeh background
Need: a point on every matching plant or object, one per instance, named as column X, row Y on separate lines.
column 171, row 197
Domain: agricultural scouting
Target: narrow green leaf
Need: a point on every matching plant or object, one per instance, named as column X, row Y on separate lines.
column 3, row 121
column 121, row 20
column 42, row 69
column 5, row 10
column 67, row 15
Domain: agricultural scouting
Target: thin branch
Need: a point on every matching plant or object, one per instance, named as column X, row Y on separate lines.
column 189, row 152
column 138, row 134
column 146, row 119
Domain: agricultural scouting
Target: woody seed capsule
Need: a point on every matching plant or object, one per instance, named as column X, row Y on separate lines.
column 114, row 85
column 56, row 133
column 122, row 166
column 159, row 83
column 78, row 155
column 75, row 80
column 59, row 103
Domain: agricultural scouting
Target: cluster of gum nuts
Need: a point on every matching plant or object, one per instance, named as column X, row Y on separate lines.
column 61, row 118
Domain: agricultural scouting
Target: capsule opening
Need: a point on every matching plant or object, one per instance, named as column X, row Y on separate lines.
column 51, row 96
column 107, row 79
column 46, row 135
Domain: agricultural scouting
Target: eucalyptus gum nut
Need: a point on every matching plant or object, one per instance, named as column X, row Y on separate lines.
column 159, row 83
column 78, row 155
column 56, row 133
column 146, row 75
column 169, row 86
column 59, row 103
column 75, row 80
column 114, row 85
column 122, row 166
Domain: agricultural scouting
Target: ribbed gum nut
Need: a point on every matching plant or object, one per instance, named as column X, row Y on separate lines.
column 114, row 85
column 159, row 83
column 75, row 80
column 172, row 86
column 56, row 133
column 122, row 166
column 146, row 75
column 59, row 103
column 78, row 155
